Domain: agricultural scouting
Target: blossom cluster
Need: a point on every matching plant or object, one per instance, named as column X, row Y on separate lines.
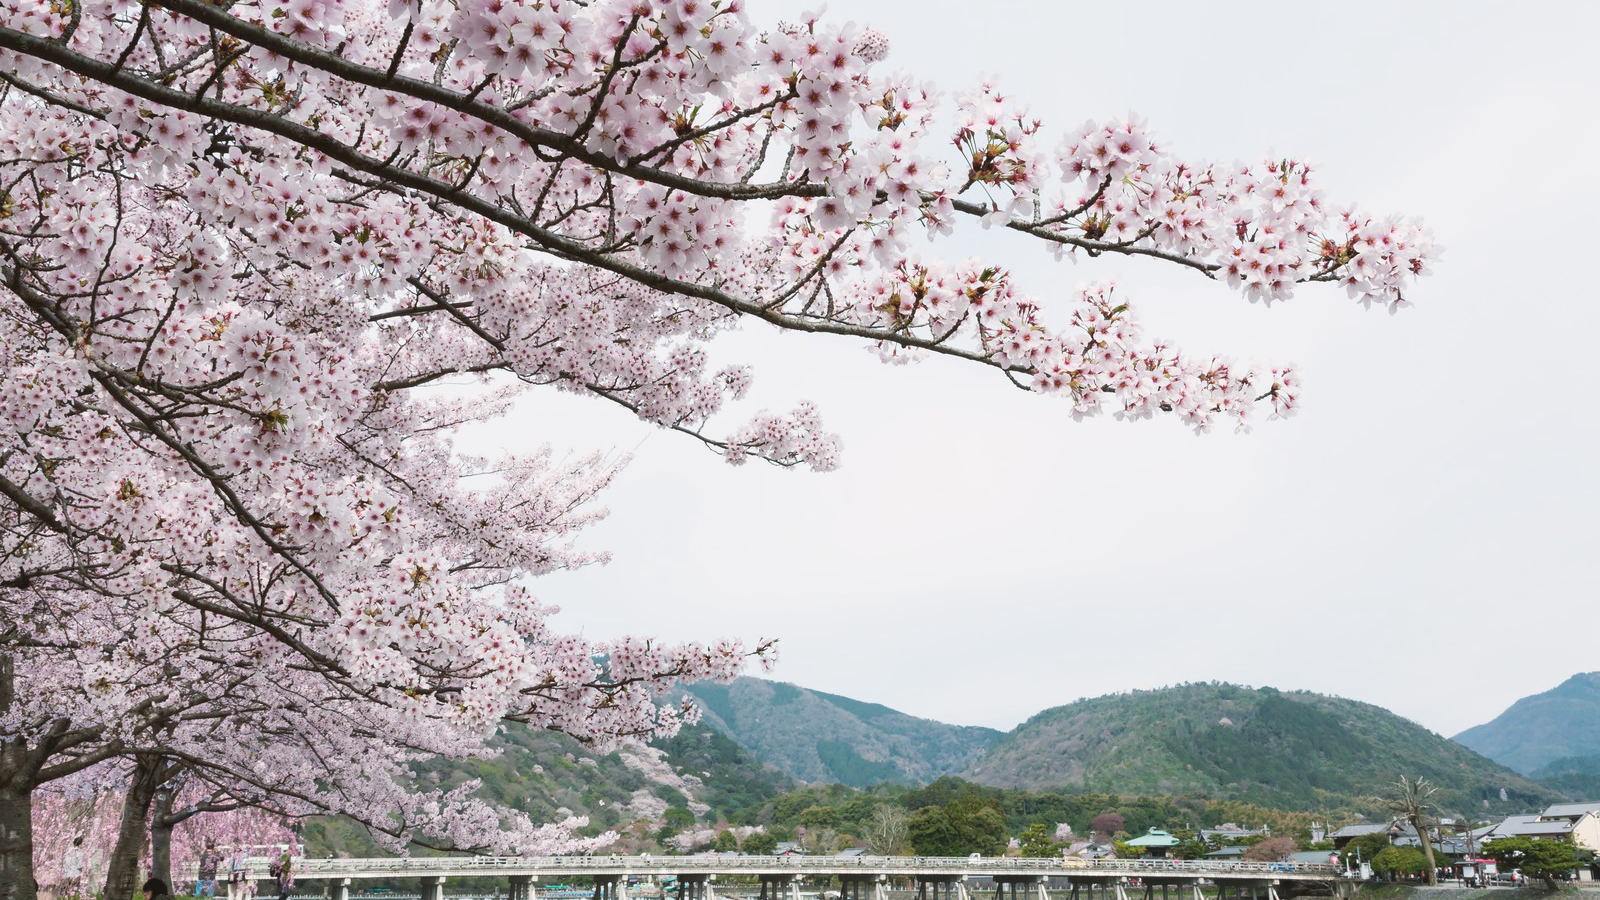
column 242, row 245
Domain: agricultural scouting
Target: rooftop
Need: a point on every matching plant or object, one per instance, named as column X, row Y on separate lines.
column 1360, row 828
column 1572, row 810
column 1155, row 837
column 1530, row 825
column 1228, row 832
column 1304, row 857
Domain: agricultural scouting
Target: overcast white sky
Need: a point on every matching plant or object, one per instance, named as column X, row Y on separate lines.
column 1421, row 536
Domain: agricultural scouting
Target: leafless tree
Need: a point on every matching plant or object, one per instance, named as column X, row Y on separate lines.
column 887, row 832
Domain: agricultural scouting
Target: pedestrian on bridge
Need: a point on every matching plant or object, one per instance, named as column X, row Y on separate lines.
column 240, row 887
column 283, row 871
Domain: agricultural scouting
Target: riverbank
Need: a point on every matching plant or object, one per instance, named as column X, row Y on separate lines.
column 1589, row 890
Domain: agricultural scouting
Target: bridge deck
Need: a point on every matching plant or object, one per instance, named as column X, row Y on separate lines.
column 753, row 867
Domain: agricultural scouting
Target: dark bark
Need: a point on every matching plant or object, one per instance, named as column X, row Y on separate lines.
column 122, row 875
column 16, row 845
column 17, row 767
column 161, row 822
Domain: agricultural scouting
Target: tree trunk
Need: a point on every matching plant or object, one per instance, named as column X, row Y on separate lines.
column 16, row 845
column 122, row 875
column 161, row 823
column 1427, row 849
column 16, row 803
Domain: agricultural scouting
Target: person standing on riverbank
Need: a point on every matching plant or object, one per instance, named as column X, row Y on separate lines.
column 205, row 880
column 72, row 870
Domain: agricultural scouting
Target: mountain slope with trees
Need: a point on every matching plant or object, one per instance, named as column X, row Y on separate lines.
column 819, row 737
column 1561, row 723
column 697, row 776
column 1575, row 776
column 1291, row 750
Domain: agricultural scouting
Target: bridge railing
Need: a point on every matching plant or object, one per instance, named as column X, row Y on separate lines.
column 464, row 866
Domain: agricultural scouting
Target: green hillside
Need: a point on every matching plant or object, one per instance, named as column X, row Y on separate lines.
column 954, row 817
column 1560, row 723
column 699, row 772
column 819, row 737
column 1575, row 776
column 1289, row 750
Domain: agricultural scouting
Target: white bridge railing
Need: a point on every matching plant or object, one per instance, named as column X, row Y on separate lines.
column 467, row 866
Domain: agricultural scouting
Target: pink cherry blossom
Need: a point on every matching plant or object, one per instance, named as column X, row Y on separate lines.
column 240, row 245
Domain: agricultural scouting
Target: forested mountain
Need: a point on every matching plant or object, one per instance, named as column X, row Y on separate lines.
column 1196, row 752
column 1290, row 750
column 1561, row 723
column 698, row 775
column 1575, row 776
column 819, row 737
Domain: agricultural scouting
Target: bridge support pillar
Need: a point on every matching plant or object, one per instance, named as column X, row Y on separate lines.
column 698, row 887
column 858, row 887
column 1022, row 887
column 521, row 888
column 433, row 888
column 780, row 887
column 935, row 887
column 341, row 889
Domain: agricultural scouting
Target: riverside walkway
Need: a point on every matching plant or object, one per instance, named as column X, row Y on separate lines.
column 859, row 877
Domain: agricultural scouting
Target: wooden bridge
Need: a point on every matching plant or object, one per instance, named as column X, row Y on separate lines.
column 858, row 877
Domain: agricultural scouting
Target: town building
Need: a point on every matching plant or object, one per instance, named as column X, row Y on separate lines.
column 1155, row 842
column 1348, row 833
column 1228, row 832
column 1578, row 823
column 1090, row 850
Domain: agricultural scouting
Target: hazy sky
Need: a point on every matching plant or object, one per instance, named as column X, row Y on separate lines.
column 1421, row 536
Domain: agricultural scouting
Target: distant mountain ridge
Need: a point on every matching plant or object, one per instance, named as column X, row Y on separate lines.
column 1561, row 723
column 820, row 737
column 1286, row 749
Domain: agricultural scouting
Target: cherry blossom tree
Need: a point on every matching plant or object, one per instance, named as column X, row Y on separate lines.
column 240, row 242
column 89, row 808
column 70, row 809
column 187, row 812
